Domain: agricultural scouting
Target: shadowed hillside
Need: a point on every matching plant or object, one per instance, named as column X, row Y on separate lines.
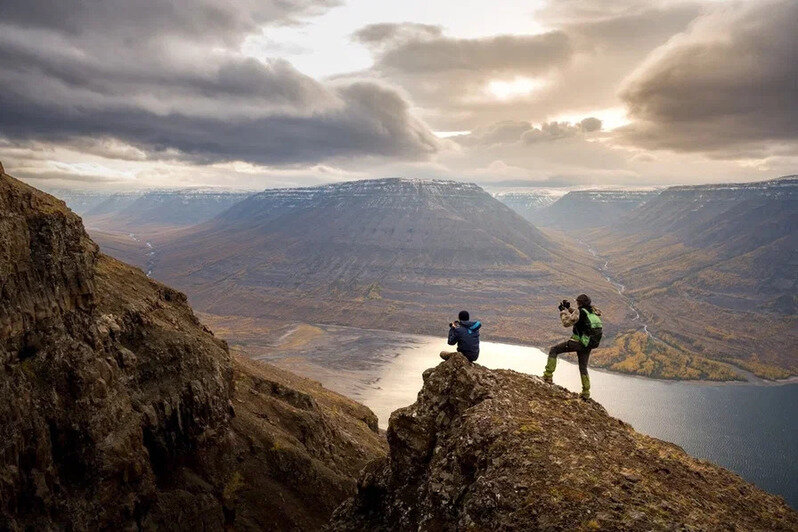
column 713, row 269
column 587, row 209
column 119, row 410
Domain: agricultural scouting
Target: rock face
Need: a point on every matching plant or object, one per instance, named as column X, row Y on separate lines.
column 119, row 410
column 498, row 450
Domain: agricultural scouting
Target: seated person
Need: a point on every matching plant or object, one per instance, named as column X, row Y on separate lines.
column 464, row 333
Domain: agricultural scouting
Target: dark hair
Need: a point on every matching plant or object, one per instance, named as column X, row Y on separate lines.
column 583, row 300
column 463, row 316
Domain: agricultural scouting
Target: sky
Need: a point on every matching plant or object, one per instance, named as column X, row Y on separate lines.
column 113, row 94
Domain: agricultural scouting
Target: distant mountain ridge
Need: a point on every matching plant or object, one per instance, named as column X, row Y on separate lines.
column 583, row 209
column 716, row 268
column 752, row 222
column 377, row 252
column 370, row 228
column 165, row 207
column 576, row 209
column 709, row 214
column 528, row 204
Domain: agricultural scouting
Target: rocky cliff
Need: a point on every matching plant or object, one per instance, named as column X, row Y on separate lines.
column 499, row 450
column 119, row 410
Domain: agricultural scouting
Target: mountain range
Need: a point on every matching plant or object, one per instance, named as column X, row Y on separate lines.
column 119, row 410
column 577, row 209
column 136, row 211
column 528, row 203
column 404, row 255
column 714, row 270
column 395, row 254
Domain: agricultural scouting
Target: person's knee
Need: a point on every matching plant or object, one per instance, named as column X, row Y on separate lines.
column 553, row 351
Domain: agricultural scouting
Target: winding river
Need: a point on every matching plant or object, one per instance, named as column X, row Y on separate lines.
column 620, row 288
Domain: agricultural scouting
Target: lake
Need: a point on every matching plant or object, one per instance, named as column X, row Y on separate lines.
column 751, row 429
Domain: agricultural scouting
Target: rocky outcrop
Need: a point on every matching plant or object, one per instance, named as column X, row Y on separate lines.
column 499, row 450
column 119, row 410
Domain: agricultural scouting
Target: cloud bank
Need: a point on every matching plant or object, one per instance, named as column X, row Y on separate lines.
column 727, row 87
column 166, row 76
column 606, row 91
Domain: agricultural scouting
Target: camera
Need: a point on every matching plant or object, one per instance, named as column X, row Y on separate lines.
column 564, row 304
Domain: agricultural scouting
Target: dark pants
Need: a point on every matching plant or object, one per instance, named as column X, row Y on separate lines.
column 572, row 346
column 470, row 356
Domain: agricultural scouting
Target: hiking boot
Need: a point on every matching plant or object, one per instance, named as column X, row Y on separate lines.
column 446, row 355
column 585, row 387
column 585, row 396
column 548, row 373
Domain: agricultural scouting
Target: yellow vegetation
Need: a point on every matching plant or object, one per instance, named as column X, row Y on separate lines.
column 636, row 353
column 235, row 483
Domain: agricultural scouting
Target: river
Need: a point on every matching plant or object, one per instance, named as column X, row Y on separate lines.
column 150, row 258
column 749, row 428
column 620, row 288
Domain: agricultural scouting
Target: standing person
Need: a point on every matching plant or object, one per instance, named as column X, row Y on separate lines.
column 464, row 333
column 586, row 336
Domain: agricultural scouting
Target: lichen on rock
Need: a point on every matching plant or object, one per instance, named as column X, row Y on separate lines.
column 499, row 450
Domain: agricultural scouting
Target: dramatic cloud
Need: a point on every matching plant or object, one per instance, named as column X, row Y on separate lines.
column 728, row 87
column 564, row 12
column 423, row 49
column 460, row 83
column 209, row 20
column 377, row 35
column 511, row 132
column 199, row 92
column 452, row 79
column 166, row 77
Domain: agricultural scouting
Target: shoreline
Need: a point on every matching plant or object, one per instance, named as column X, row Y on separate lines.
column 751, row 379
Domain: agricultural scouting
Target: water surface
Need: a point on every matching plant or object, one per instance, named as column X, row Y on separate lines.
column 748, row 428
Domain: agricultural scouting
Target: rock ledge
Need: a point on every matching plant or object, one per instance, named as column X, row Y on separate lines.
column 499, row 450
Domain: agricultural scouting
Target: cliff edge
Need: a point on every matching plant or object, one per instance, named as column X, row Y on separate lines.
column 500, row 450
column 119, row 410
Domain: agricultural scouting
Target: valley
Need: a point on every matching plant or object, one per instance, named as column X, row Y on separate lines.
column 710, row 270
column 405, row 255
column 713, row 270
column 153, row 409
column 402, row 255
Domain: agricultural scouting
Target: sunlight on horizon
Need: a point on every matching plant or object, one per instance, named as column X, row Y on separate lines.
column 517, row 87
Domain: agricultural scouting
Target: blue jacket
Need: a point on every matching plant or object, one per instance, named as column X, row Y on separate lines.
column 466, row 336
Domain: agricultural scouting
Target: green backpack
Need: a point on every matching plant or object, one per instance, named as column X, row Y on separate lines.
column 592, row 337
